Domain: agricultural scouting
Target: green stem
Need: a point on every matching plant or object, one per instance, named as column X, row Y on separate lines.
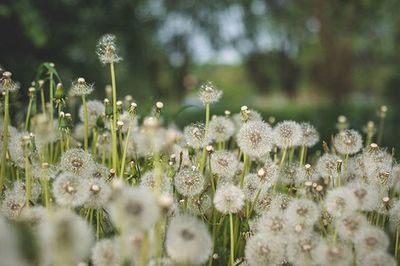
column 125, row 150
column 85, row 123
column 5, row 139
column 232, row 240
column 28, row 181
column 114, row 118
column 114, row 148
column 204, row 153
column 28, row 114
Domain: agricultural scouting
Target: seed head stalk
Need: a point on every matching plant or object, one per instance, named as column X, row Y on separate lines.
column 114, row 118
column 125, row 150
column 28, row 178
column 85, row 123
column 204, row 153
column 232, row 241
column 5, row 139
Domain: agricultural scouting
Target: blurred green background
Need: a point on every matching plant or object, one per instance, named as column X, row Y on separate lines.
column 292, row 59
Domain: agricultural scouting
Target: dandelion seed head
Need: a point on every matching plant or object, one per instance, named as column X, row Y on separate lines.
column 99, row 193
column 251, row 186
column 348, row 142
column 196, row 136
column 12, row 204
column 70, row 190
column 310, row 135
column 188, row 241
column 254, row 138
column 81, row 88
column 302, row 210
column 229, row 199
column 370, row 239
column 273, row 223
column 200, row 204
column 107, row 50
column 366, row 195
column 209, row 93
column 264, row 249
column 224, row 163
column 65, row 235
column 77, row 161
column 350, row 225
column 7, row 84
column 221, row 128
column 189, row 181
column 378, row 258
column 333, row 254
column 106, row 253
column 135, row 208
column 302, row 251
column 327, row 165
column 340, row 201
column 287, row 134
column 394, row 216
column 268, row 174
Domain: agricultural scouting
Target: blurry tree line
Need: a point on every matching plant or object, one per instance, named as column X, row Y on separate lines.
column 336, row 46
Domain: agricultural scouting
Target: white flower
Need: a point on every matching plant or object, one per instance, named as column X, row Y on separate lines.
column 350, row 225
column 221, row 128
column 188, row 241
column 106, row 253
column 196, row 135
column 264, row 249
column 302, row 251
column 107, row 50
column 378, row 258
column 340, row 201
column 95, row 110
column 254, row 138
column 348, row 142
column 81, row 88
column 70, row 190
column 77, row 161
column 229, row 199
column 287, row 134
column 327, row 165
column 99, row 193
column 310, row 135
column 224, row 163
column 189, row 181
column 333, row 254
column 148, row 180
column 208, row 93
column 302, row 211
column 370, row 239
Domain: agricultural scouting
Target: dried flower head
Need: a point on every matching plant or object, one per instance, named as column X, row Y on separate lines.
column 287, row 134
column 70, row 190
column 107, row 50
column 7, row 84
column 77, row 161
column 264, row 249
column 221, row 128
column 254, row 138
column 224, row 163
column 310, row 135
column 189, row 181
column 99, row 193
column 229, row 199
column 188, row 241
column 209, row 93
column 80, row 87
column 327, row 165
column 340, row 202
column 196, row 135
column 348, row 142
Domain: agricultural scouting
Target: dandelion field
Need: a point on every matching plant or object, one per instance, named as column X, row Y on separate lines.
column 118, row 188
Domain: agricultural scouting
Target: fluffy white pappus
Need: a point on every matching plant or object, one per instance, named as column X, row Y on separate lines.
column 366, row 194
column 378, row 166
column 303, row 251
column 340, row 201
column 356, row 168
column 107, row 50
column 134, row 209
column 9, row 248
column 302, row 211
column 327, row 165
column 19, row 188
column 189, row 181
column 70, row 190
column 81, row 88
column 287, row 134
column 148, row 141
column 229, row 199
column 65, row 238
column 45, row 131
column 188, row 241
column 394, row 217
column 129, row 120
column 378, row 258
column 221, row 128
column 251, row 186
column 99, row 171
column 196, row 135
column 310, row 135
column 396, row 177
column 95, row 110
column 255, row 138
column 77, row 161
column 350, row 225
column 370, row 239
column 264, row 249
column 106, row 253
column 348, row 142
column 268, row 174
column 43, row 172
column 16, row 149
column 224, row 163
column 99, row 193
column 209, row 93
column 263, row 203
column 148, row 180
column 293, row 174
column 12, row 204
column 333, row 253
column 33, row 215
column 199, row 204
column 272, row 223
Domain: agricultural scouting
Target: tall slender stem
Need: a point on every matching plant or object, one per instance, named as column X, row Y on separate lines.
column 125, row 150
column 204, row 153
column 5, row 139
column 114, row 118
column 28, row 114
column 85, row 123
column 232, row 240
